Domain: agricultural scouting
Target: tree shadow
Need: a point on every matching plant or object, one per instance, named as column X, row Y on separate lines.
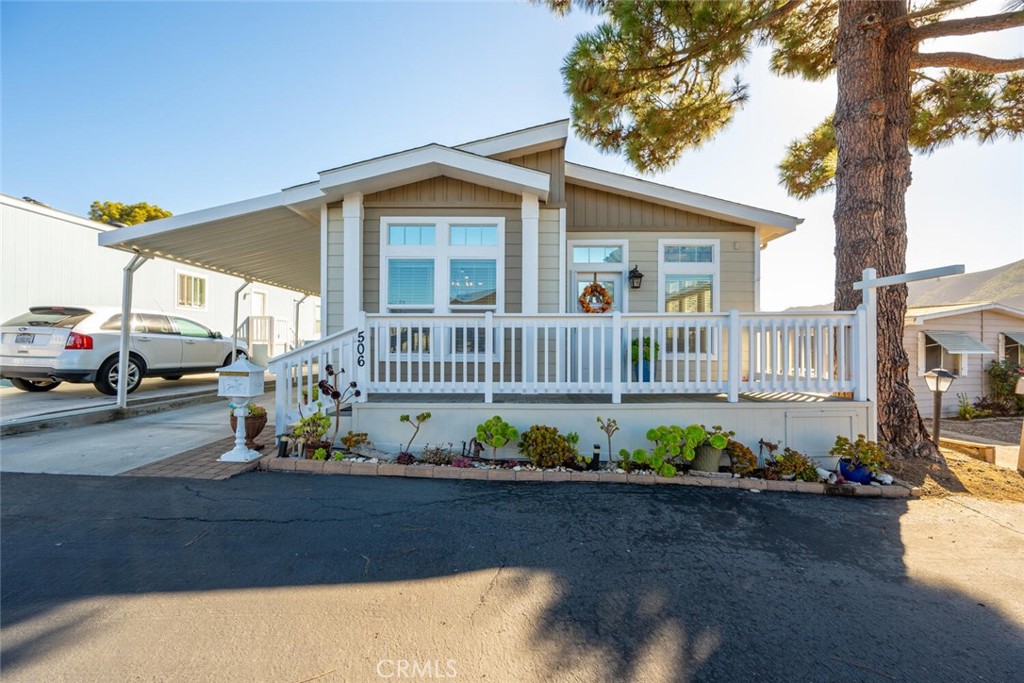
column 650, row 583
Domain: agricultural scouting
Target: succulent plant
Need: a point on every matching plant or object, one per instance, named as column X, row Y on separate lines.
column 496, row 433
column 420, row 419
column 462, row 462
column 405, row 459
column 742, row 458
column 545, row 447
column 860, row 453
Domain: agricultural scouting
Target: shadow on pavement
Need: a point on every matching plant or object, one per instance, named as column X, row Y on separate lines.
column 720, row 584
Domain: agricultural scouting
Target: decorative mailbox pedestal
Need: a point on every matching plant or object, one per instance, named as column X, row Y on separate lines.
column 240, row 382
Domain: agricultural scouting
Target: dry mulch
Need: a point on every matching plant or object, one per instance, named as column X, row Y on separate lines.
column 960, row 476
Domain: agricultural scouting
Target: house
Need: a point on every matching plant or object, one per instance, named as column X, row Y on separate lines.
column 51, row 257
column 963, row 338
column 450, row 279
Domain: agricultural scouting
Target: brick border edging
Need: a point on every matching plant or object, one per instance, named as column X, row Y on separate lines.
column 271, row 463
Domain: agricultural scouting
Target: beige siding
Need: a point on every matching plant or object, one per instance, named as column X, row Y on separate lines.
column 736, row 270
column 549, row 262
column 985, row 326
column 590, row 209
column 441, row 191
column 333, row 316
column 551, row 162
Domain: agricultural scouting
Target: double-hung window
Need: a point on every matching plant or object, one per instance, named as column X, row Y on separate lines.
column 191, row 291
column 688, row 282
column 441, row 265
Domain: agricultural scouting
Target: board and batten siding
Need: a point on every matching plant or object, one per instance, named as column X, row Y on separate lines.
column 551, row 162
column 334, row 315
column 549, row 262
column 985, row 326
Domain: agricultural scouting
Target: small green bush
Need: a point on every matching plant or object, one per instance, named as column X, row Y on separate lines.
column 545, row 447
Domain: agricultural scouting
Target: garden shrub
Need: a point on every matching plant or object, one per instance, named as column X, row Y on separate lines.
column 545, row 447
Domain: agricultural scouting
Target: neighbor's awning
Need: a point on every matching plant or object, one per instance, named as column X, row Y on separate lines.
column 958, row 342
column 1015, row 336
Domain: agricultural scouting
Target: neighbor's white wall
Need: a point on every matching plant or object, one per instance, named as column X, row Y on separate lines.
column 48, row 257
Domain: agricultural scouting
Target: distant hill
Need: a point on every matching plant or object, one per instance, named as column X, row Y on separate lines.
column 1003, row 285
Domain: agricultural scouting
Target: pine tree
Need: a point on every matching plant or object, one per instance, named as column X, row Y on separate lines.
column 649, row 82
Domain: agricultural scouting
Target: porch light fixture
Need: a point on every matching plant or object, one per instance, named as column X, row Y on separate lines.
column 635, row 278
column 938, row 381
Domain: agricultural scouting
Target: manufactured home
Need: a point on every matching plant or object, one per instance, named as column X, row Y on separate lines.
column 496, row 277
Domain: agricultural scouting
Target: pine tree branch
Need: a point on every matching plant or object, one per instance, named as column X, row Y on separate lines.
column 966, row 60
column 930, row 11
column 969, row 26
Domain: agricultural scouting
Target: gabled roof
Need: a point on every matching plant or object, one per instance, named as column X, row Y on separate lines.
column 521, row 142
column 919, row 314
column 773, row 224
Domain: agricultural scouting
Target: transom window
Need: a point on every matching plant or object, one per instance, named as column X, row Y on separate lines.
column 440, row 265
column 597, row 254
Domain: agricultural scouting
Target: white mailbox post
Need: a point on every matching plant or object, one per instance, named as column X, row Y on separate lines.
column 240, row 382
column 1020, row 453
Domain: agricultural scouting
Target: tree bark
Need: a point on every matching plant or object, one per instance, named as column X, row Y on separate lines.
column 872, row 123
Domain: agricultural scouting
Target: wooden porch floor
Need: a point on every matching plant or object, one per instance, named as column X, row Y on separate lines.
column 569, row 399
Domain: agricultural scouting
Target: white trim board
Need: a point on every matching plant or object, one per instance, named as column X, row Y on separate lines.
column 521, row 142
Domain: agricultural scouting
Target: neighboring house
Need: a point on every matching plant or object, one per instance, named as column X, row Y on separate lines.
column 50, row 257
column 964, row 339
column 450, row 279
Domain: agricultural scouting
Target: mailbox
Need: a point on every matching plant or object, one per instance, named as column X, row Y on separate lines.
column 241, row 379
column 240, row 382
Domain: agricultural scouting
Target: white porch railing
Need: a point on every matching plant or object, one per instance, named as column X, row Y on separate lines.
column 492, row 354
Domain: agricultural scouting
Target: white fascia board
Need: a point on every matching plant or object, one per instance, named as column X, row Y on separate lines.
column 535, row 139
column 16, row 203
column 280, row 199
column 775, row 224
column 427, row 162
column 970, row 308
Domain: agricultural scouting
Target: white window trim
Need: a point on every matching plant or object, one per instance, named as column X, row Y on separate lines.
column 442, row 254
column 713, row 269
column 206, row 290
column 576, row 268
column 1002, row 349
column 922, row 356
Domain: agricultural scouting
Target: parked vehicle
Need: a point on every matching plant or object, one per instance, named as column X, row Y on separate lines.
column 54, row 344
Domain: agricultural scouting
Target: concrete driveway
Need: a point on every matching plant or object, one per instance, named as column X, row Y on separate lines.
column 275, row 577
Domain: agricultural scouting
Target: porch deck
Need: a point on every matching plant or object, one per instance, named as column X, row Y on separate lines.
column 605, row 399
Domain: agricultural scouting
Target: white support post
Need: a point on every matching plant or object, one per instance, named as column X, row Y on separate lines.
column 234, row 324
column 488, row 357
column 297, row 305
column 352, row 216
column 617, row 356
column 562, row 262
column 860, row 368
column 323, row 271
column 735, row 359
column 126, row 327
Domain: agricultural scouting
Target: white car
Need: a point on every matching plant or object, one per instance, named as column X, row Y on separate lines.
column 54, row 344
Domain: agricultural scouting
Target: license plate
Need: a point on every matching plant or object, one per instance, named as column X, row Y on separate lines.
column 24, row 338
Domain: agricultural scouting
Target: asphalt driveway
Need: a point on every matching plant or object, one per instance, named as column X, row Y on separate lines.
column 301, row 578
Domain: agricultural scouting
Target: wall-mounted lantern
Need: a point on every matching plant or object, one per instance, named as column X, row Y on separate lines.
column 635, row 278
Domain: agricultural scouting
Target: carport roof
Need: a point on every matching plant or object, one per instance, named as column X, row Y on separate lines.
column 275, row 239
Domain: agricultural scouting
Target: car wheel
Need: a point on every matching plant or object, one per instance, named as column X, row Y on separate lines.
column 231, row 359
column 35, row 384
column 172, row 376
column 106, row 378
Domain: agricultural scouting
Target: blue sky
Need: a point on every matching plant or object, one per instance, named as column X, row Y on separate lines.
column 191, row 105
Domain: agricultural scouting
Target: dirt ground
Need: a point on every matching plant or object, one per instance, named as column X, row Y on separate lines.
column 964, row 476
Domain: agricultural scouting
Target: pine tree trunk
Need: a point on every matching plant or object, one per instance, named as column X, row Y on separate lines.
column 872, row 124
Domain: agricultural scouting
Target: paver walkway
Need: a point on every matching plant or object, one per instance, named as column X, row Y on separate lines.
column 200, row 463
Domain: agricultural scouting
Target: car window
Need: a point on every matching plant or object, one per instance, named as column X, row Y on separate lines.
column 153, row 324
column 190, row 328
column 50, row 316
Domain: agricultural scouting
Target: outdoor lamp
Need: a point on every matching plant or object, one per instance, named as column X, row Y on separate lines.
column 938, row 381
column 635, row 278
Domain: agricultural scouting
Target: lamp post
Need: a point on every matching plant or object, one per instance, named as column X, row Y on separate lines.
column 938, row 381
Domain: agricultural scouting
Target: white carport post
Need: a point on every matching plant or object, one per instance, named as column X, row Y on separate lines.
column 352, row 271
column 530, row 216
column 868, row 283
column 126, row 327
column 297, row 304
column 234, row 324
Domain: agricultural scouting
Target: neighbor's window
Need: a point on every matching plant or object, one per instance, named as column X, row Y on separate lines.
column 935, row 356
column 191, row 291
column 1013, row 350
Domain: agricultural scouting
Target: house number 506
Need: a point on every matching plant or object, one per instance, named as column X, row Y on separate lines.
column 361, row 349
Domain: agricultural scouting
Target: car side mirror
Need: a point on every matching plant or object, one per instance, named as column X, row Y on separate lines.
column 218, row 335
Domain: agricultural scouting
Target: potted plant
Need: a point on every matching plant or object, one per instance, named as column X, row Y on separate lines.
column 644, row 372
column 859, row 460
column 790, row 465
column 255, row 421
column 708, row 455
column 310, row 432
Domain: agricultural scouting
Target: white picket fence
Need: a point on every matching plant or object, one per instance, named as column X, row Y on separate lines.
column 487, row 354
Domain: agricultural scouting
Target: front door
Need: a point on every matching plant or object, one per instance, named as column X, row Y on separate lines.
column 594, row 351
